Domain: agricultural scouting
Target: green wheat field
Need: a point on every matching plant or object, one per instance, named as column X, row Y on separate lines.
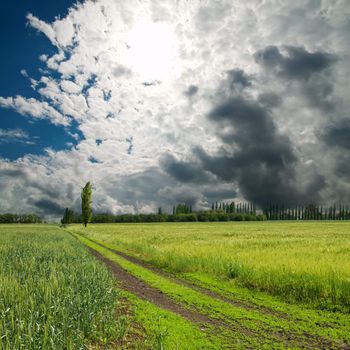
column 276, row 285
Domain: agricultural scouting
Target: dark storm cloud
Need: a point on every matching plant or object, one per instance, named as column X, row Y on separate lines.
column 191, row 91
column 184, row 171
column 155, row 188
column 180, row 194
column 311, row 69
column 35, row 193
column 218, row 194
column 295, row 62
column 342, row 168
column 22, row 176
column 143, row 185
column 338, row 135
column 254, row 154
column 259, row 158
column 239, row 79
column 48, row 207
column 269, row 99
column 319, row 92
column 152, row 187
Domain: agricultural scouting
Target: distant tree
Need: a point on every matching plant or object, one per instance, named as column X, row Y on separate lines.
column 321, row 212
column 160, row 211
column 86, row 203
column 182, row 209
column 330, row 213
column 9, row 218
column 68, row 217
column 341, row 212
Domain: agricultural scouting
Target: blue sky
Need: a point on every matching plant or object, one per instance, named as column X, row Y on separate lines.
column 158, row 102
column 21, row 46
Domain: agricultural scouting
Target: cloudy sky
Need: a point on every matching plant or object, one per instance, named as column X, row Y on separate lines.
column 161, row 102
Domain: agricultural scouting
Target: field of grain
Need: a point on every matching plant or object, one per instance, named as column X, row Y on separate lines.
column 53, row 294
column 306, row 262
column 171, row 286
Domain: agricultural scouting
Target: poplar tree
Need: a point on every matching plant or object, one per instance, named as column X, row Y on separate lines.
column 86, row 203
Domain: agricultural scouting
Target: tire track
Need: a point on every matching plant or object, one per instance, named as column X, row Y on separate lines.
column 144, row 291
column 183, row 282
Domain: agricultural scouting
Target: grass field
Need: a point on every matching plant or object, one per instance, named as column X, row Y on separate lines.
column 53, row 294
column 190, row 286
column 305, row 262
column 266, row 285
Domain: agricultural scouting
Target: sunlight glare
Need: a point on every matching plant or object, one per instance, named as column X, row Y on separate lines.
column 152, row 51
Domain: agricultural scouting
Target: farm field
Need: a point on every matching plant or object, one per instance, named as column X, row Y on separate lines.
column 307, row 262
column 53, row 293
column 174, row 286
column 252, row 285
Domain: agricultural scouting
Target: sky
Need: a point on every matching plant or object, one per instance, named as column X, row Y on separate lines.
column 164, row 102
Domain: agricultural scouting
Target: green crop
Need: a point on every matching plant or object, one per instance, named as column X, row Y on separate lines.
column 306, row 262
column 53, row 293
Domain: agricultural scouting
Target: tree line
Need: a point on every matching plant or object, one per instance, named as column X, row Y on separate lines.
column 9, row 218
column 220, row 211
column 204, row 216
column 284, row 212
column 181, row 213
column 310, row 212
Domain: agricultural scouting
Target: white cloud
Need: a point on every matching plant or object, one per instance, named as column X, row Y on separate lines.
column 24, row 73
column 15, row 135
column 42, row 27
column 109, row 85
column 34, row 108
column 70, row 87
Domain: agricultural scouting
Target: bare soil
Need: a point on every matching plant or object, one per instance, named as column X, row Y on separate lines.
column 133, row 285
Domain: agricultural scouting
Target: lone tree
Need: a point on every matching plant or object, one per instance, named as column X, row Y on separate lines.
column 86, row 203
